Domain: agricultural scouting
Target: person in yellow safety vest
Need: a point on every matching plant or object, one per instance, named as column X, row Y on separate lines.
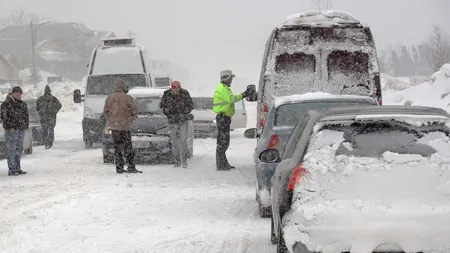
column 224, row 100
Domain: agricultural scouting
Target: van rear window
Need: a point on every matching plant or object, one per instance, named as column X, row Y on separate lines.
column 349, row 71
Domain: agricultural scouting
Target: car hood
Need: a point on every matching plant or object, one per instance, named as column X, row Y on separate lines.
column 149, row 124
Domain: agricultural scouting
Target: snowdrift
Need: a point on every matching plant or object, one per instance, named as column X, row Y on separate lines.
column 433, row 93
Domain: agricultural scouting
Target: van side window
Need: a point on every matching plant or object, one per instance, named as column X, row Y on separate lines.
column 295, row 137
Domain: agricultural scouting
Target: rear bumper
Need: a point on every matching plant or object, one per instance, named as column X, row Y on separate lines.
column 264, row 174
column 367, row 230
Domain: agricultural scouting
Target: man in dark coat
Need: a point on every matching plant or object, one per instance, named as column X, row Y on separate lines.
column 177, row 105
column 48, row 107
column 14, row 114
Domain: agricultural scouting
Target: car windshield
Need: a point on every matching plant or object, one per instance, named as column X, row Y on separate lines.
column 290, row 114
column 148, row 105
column 106, row 84
column 203, row 103
column 162, row 81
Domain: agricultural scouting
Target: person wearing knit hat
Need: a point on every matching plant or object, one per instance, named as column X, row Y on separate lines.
column 48, row 107
column 14, row 114
column 177, row 104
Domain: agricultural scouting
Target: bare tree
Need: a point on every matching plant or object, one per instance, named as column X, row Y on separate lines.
column 323, row 4
column 21, row 17
column 438, row 48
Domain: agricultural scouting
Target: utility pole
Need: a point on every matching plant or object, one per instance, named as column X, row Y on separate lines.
column 33, row 48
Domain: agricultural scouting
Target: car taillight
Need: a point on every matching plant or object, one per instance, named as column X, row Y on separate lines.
column 262, row 123
column 274, row 141
column 296, row 177
column 265, row 108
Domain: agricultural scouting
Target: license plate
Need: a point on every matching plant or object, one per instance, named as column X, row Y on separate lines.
column 141, row 144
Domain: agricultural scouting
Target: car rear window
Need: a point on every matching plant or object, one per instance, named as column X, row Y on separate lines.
column 203, row 103
column 375, row 139
column 290, row 114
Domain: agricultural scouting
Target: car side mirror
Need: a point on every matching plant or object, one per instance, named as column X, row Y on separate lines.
column 270, row 156
column 190, row 116
column 251, row 133
column 253, row 94
column 77, row 97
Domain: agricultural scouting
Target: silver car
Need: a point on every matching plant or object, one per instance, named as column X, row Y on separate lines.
column 150, row 131
column 368, row 124
column 283, row 115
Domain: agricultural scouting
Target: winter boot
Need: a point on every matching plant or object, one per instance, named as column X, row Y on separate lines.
column 133, row 170
column 176, row 161
column 185, row 164
column 13, row 173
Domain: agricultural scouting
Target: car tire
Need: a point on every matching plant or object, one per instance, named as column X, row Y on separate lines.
column 108, row 159
column 264, row 211
column 273, row 236
column 281, row 245
column 28, row 151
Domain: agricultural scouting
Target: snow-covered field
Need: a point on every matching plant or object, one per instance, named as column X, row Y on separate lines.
column 71, row 202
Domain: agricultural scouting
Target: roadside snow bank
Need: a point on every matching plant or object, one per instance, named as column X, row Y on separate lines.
column 346, row 202
column 425, row 94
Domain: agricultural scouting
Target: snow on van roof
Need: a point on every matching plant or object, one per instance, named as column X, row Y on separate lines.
column 330, row 17
column 146, row 92
column 315, row 96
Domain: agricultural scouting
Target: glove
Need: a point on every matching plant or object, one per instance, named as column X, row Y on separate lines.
column 245, row 94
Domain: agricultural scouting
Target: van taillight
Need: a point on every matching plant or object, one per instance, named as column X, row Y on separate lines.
column 274, row 141
column 262, row 123
column 296, row 176
column 265, row 108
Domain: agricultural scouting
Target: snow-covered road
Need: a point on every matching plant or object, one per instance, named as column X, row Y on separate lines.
column 71, row 202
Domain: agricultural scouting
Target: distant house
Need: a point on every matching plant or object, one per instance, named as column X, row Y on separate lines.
column 8, row 74
column 61, row 48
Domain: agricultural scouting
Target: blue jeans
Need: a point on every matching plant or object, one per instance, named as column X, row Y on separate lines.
column 14, row 148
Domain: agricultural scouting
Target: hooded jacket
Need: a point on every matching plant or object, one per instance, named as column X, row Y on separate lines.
column 48, row 106
column 176, row 107
column 14, row 114
column 120, row 109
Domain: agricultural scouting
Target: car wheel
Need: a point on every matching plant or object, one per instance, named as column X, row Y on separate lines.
column 264, row 211
column 108, row 158
column 273, row 236
column 281, row 245
column 29, row 151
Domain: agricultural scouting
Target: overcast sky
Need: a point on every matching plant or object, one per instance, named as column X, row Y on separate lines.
column 205, row 36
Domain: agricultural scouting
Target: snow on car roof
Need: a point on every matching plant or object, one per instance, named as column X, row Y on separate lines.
column 316, row 96
column 320, row 18
column 146, row 92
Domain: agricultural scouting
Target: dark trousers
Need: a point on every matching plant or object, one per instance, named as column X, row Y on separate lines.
column 223, row 140
column 48, row 132
column 123, row 145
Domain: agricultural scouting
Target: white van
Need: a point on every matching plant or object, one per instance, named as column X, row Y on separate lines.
column 117, row 58
column 328, row 51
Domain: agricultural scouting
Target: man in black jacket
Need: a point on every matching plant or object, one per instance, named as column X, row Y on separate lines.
column 14, row 114
column 177, row 105
column 48, row 107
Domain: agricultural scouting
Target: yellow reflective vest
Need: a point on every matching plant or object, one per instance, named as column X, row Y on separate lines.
column 224, row 100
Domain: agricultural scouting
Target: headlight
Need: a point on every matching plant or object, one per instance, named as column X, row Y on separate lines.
column 108, row 131
column 163, row 131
